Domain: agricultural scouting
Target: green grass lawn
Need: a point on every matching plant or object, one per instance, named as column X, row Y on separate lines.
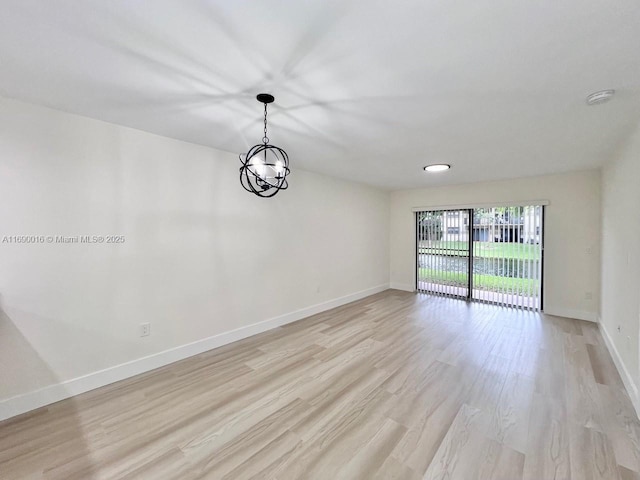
column 521, row 286
column 520, row 251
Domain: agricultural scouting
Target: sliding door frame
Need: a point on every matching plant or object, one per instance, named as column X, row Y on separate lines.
column 470, row 212
column 470, row 253
column 542, row 234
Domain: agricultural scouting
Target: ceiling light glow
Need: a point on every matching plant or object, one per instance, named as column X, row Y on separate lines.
column 437, row 167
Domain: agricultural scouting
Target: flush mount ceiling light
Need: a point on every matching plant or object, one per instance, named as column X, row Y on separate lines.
column 437, row 167
column 264, row 167
column 602, row 96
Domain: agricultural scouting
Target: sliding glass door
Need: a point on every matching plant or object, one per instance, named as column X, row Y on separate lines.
column 507, row 255
column 487, row 254
column 444, row 252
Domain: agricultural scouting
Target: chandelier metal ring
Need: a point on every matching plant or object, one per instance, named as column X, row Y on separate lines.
column 264, row 167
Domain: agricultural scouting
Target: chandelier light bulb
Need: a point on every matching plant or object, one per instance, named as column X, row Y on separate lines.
column 259, row 166
column 279, row 168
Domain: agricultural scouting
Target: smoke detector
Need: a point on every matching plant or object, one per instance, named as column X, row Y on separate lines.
column 602, row 96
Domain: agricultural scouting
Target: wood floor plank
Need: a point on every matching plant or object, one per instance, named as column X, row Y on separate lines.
column 547, row 453
column 393, row 469
column 622, row 426
column 583, row 399
column 370, row 457
column 626, row 474
column 508, row 420
column 604, row 370
column 450, row 460
column 394, row 386
column 510, row 465
column 591, row 454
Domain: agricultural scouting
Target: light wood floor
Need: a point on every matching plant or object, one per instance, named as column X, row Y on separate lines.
column 394, row 386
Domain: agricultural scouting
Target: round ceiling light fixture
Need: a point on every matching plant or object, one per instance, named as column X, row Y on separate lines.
column 264, row 167
column 602, row 96
column 437, row 167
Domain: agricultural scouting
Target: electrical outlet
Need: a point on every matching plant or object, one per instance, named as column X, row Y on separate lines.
column 588, row 295
column 145, row 329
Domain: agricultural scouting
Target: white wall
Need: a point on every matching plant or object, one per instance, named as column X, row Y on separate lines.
column 201, row 255
column 621, row 259
column 572, row 234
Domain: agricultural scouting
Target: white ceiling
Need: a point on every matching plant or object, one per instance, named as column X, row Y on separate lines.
column 367, row 90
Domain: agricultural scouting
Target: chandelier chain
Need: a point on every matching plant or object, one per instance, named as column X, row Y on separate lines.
column 265, row 139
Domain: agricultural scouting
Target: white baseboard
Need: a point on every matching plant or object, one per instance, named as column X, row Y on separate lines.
column 26, row 402
column 629, row 384
column 402, row 286
column 571, row 313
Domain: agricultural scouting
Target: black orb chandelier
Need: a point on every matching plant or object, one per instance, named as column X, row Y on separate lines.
column 264, row 167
